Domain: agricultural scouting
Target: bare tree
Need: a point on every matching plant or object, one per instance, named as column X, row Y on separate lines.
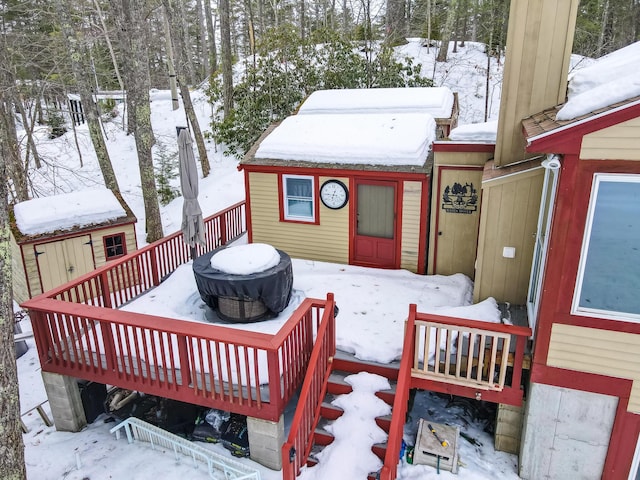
column 227, row 60
column 133, row 28
column 11, row 445
column 79, row 59
column 447, row 31
column 174, row 21
column 211, row 33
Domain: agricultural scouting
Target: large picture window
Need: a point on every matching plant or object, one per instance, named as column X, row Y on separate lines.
column 608, row 283
column 299, row 198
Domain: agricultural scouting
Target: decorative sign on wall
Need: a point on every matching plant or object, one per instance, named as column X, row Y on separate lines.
column 458, row 198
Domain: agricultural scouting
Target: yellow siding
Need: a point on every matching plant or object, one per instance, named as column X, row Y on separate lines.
column 98, row 242
column 19, row 280
column 619, row 142
column 328, row 241
column 30, row 268
column 540, row 38
column 603, row 352
column 457, row 256
column 508, row 218
column 411, row 201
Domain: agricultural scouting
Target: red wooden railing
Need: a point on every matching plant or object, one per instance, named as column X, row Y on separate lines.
column 244, row 372
column 298, row 445
column 470, row 358
column 79, row 332
column 400, row 402
column 121, row 280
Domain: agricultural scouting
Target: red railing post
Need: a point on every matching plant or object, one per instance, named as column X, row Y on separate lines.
column 104, row 287
column 185, row 364
column 275, row 391
column 109, row 345
column 223, row 229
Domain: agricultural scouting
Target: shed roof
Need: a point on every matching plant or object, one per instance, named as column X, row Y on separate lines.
column 79, row 210
column 382, row 141
column 436, row 101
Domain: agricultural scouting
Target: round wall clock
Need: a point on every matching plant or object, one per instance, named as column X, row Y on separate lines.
column 334, row 194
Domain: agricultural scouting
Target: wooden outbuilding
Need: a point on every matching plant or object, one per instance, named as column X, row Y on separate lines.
column 345, row 188
column 59, row 238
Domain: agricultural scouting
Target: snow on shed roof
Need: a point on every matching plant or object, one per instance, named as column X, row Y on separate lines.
column 437, row 101
column 364, row 139
column 610, row 79
column 66, row 211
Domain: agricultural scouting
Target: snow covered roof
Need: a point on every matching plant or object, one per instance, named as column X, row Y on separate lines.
column 437, row 101
column 80, row 208
column 610, row 79
column 484, row 132
column 389, row 139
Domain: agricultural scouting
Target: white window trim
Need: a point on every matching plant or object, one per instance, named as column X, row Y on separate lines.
column 551, row 174
column 635, row 464
column 576, row 309
column 285, row 203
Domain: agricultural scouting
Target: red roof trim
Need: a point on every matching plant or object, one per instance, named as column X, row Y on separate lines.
column 568, row 139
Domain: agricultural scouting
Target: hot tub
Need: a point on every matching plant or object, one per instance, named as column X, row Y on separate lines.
column 247, row 297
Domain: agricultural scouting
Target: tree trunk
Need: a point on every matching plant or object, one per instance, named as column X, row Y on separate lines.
column 211, row 31
column 133, row 27
column 205, row 71
column 227, row 60
column 10, row 151
column 173, row 83
column 447, row 31
column 396, row 23
column 79, row 66
column 184, row 88
column 11, row 444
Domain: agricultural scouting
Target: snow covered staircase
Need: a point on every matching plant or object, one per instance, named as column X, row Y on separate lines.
column 344, row 366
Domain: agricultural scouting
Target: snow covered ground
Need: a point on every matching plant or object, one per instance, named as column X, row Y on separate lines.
column 373, row 303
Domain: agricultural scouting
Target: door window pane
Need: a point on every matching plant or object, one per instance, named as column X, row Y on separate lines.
column 376, row 210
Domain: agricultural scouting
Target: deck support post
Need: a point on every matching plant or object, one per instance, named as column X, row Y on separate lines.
column 64, row 398
column 265, row 441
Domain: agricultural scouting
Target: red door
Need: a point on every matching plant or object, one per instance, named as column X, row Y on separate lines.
column 375, row 224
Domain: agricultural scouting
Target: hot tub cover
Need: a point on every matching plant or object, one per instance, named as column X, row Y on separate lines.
column 272, row 286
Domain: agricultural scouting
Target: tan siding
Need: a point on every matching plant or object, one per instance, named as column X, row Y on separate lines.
column 603, row 352
column 508, row 218
column 328, row 241
column 19, row 280
column 98, row 242
column 619, row 142
column 31, row 269
column 410, row 239
column 458, row 253
column 540, row 38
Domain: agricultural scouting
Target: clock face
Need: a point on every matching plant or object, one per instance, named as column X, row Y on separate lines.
column 334, row 194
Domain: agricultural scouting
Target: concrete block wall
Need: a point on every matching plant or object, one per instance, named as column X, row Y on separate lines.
column 265, row 441
column 66, row 405
column 508, row 428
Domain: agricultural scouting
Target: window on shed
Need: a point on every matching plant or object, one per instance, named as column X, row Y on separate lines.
column 114, row 246
column 609, row 273
column 299, row 201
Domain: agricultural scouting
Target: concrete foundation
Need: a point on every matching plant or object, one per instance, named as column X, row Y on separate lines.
column 265, row 441
column 64, row 398
column 508, row 428
column 566, row 433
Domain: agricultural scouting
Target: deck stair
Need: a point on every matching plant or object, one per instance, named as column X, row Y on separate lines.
column 343, row 366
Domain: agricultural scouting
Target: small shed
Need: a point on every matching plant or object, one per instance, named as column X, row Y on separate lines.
column 347, row 188
column 439, row 102
column 56, row 239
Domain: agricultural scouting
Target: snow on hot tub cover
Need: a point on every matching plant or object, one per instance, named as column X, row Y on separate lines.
column 271, row 286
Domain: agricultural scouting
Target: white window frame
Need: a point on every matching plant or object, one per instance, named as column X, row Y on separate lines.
column 635, row 464
column 576, row 309
column 539, row 262
column 285, row 199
